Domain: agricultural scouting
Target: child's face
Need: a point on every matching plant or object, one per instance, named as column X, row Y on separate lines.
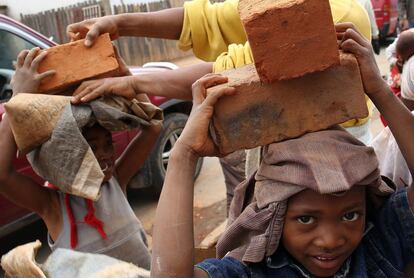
column 100, row 141
column 322, row 231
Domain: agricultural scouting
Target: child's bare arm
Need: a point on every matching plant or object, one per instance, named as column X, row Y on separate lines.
column 408, row 103
column 166, row 24
column 19, row 188
column 173, row 242
column 136, row 153
column 171, row 84
column 399, row 118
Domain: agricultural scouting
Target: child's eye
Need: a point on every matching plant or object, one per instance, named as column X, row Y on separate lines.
column 306, row 219
column 350, row 216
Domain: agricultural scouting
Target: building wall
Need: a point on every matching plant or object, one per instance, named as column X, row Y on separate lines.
column 17, row 7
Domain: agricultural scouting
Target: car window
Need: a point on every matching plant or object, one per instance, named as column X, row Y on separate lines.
column 11, row 45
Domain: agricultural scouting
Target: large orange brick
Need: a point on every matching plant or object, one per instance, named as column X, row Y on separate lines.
column 259, row 114
column 289, row 38
column 74, row 63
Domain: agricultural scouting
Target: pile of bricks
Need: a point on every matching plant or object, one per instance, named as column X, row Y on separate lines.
column 299, row 83
column 73, row 63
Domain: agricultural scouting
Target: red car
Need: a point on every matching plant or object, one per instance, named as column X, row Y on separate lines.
column 386, row 14
column 15, row 37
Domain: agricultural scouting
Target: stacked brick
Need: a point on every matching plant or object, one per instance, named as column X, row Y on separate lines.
column 289, row 38
column 73, row 63
column 300, row 82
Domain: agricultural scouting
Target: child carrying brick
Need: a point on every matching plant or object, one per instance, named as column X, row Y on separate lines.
column 214, row 32
column 107, row 226
column 317, row 206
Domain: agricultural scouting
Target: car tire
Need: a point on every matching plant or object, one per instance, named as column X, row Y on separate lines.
column 172, row 127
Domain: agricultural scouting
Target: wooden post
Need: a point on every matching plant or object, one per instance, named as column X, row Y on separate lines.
column 106, row 7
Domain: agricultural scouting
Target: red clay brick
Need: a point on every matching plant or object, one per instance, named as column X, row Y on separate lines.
column 259, row 114
column 74, row 63
column 289, row 38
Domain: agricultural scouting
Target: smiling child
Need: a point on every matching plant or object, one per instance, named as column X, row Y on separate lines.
column 317, row 207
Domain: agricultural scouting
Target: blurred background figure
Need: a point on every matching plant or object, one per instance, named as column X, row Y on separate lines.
column 406, row 14
column 374, row 28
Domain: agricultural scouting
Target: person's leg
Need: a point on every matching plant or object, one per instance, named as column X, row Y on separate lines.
column 233, row 167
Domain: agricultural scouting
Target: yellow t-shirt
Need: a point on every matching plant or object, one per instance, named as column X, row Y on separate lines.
column 209, row 29
column 215, row 33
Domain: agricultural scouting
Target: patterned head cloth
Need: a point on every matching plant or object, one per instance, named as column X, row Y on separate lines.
column 62, row 155
column 328, row 161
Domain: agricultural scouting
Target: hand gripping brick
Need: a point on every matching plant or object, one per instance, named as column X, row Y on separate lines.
column 74, row 63
column 259, row 114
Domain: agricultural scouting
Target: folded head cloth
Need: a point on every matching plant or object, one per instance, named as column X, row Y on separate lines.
column 328, row 161
column 65, row 158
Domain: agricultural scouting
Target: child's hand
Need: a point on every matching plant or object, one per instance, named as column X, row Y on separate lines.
column 352, row 41
column 195, row 135
column 91, row 29
column 93, row 89
column 26, row 79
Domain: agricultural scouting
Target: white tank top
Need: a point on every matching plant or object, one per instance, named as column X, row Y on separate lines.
column 126, row 238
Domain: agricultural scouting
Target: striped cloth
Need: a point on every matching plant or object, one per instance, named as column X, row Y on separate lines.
column 327, row 161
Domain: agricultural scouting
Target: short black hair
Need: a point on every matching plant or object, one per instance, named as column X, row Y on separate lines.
column 405, row 45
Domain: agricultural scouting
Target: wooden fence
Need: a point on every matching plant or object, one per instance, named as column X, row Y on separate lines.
column 53, row 23
column 135, row 51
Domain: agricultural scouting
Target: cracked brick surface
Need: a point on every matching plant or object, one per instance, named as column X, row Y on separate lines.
column 259, row 113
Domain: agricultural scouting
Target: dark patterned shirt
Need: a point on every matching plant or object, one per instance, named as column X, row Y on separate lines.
column 386, row 248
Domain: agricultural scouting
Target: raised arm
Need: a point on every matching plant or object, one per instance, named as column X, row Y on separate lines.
column 19, row 188
column 399, row 118
column 136, row 153
column 173, row 241
column 172, row 84
column 166, row 24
